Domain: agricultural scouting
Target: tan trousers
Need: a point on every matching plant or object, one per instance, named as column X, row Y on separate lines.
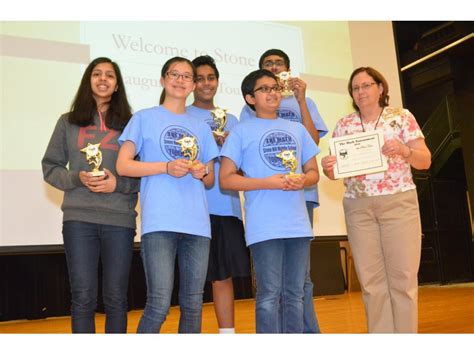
column 384, row 233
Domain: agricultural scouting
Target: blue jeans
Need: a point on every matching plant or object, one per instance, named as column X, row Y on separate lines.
column 280, row 268
column 311, row 324
column 159, row 251
column 84, row 244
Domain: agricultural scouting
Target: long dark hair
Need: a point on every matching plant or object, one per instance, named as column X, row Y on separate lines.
column 84, row 106
column 165, row 68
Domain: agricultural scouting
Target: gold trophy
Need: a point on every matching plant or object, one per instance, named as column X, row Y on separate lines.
column 283, row 78
column 289, row 161
column 188, row 148
column 94, row 157
column 219, row 115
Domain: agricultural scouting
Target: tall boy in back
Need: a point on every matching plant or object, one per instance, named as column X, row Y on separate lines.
column 228, row 257
column 278, row 230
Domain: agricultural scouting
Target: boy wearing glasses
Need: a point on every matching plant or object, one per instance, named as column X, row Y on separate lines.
column 297, row 108
column 278, row 230
column 228, row 256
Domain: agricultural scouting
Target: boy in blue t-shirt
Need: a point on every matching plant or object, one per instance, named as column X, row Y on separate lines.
column 228, row 256
column 297, row 108
column 278, row 229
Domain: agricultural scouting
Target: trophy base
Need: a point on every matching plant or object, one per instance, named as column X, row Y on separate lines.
column 97, row 173
column 287, row 93
column 219, row 133
column 293, row 176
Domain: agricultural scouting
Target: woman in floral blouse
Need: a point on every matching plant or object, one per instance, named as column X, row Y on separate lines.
column 381, row 209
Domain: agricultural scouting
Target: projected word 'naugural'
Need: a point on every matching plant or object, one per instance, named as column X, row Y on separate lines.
column 142, row 82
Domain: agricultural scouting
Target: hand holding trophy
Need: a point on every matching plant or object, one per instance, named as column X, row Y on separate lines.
column 283, row 79
column 94, row 157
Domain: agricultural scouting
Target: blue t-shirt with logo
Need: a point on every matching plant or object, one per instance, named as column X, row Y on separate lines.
column 290, row 110
column 221, row 202
column 169, row 203
column 253, row 146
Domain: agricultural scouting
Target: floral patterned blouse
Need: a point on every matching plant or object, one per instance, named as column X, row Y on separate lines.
column 395, row 123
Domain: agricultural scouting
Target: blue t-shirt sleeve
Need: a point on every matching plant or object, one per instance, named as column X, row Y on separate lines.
column 232, row 148
column 317, row 119
column 232, row 121
column 246, row 113
column 309, row 148
column 133, row 132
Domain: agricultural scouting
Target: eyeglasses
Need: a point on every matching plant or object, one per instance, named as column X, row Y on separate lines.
column 269, row 64
column 268, row 89
column 174, row 75
column 364, row 86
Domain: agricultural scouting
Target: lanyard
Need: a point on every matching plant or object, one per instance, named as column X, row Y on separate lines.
column 376, row 123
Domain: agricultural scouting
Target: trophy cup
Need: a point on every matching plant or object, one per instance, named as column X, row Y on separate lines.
column 283, row 78
column 219, row 116
column 289, row 161
column 94, row 157
column 188, row 148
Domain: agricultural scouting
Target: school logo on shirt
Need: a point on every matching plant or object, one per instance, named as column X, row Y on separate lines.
column 272, row 143
column 168, row 141
column 288, row 114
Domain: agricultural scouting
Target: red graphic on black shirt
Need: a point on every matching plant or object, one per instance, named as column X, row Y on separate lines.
column 91, row 134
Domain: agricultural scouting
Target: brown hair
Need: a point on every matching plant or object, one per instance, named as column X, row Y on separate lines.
column 378, row 78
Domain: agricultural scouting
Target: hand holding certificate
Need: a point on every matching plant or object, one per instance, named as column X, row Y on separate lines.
column 358, row 154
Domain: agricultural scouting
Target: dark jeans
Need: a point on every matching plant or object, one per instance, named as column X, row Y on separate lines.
column 84, row 244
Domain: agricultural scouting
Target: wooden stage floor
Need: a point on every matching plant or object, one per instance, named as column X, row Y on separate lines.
column 442, row 309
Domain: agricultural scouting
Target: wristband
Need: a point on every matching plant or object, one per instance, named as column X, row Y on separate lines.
column 167, row 167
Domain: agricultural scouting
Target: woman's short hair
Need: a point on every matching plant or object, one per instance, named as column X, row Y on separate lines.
column 378, row 78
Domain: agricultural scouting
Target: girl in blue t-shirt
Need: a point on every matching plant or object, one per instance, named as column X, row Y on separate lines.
column 176, row 153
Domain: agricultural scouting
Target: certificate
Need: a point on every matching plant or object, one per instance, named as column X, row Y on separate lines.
column 358, row 154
